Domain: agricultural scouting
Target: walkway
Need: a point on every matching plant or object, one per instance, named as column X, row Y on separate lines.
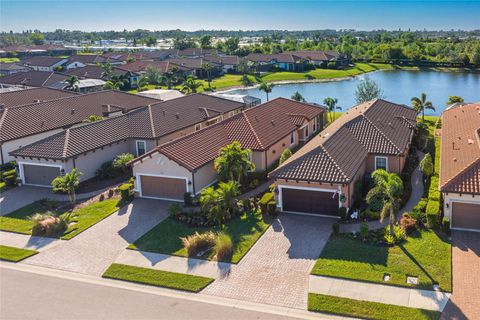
column 465, row 302
column 407, row 297
column 277, row 268
column 197, row 267
column 25, row 241
column 92, row 251
column 259, row 189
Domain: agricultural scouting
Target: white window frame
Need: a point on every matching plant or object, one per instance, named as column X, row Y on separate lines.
column 386, row 162
column 292, row 137
column 198, row 127
column 136, row 147
column 307, row 134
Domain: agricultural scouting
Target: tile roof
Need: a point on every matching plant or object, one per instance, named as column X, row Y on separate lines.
column 338, row 152
column 223, row 59
column 33, row 78
column 90, row 59
column 21, row 121
column 195, row 52
column 33, row 95
column 92, row 72
column 256, row 128
column 141, row 65
column 192, row 63
column 316, row 55
column 12, row 66
column 42, row 61
column 460, row 149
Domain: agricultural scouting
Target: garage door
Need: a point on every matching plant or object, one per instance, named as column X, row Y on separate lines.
column 465, row 215
column 40, row 175
column 161, row 187
column 316, row 202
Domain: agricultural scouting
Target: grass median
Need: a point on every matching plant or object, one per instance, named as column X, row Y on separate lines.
column 13, row 254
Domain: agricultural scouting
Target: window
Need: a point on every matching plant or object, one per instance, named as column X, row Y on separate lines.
column 306, row 131
column 292, row 138
column 314, row 124
column 141, row 147
column 198, row 126
column 381, row 163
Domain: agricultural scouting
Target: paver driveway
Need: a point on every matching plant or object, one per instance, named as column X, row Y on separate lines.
column 276, row 269
column 92, row 251
column 465, row 300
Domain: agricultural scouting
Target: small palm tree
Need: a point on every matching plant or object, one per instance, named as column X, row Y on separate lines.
column 227, row 195
column 191, row 85
column 265, row 87
column 68, row 183
column 331, row 104
column 298, row 97
column 389, row 187
column 208, row 69
column 122, row 160
column 233, row 162
column 72, row 83
column 107, row 70
column 420, row 104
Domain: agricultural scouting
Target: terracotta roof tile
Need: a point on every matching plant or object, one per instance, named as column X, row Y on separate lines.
column 33, row 78
column 33, row 95
column 43, row 61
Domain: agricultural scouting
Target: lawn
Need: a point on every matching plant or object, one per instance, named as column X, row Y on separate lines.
column 366, row 309
column 3, row 185
column 158, row 278
column 15, row 254
column 9, row 60
column 165, row 237
column 83, row 218
column 425, row 254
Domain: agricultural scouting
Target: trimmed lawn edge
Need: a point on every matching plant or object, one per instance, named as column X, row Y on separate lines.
column 158, row 278
column 366, row 309
column 13, row 254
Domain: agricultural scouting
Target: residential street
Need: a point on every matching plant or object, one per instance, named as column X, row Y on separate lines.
column 26, row 295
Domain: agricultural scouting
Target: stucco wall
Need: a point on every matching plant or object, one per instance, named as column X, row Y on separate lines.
column 204, row 177
column 395, row 163
column 275, row 151
column 132, row 145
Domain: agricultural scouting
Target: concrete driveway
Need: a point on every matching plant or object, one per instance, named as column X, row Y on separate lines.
column 465, row 300
column 92, row 251
column 276, row 269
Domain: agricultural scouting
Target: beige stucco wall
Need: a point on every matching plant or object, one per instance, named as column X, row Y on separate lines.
column 204, row 177
column 448, row 198
column 395, row 163
column 275, row 151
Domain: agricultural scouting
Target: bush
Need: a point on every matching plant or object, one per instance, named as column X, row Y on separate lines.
column 10, row 177
column 408, row 223
column 421, row 205
column 8, row 166
column 48, row 225
column 106, row 171
column 369, row 214
column 121, row 161
column 431, row 213
column 285, row 155
column 332, row 65
column 223, row 247
column 364, row 230
column 267, row 198
column 336, row 228
column 398, row 235
column 126, row 191
column 433, row 192
column 197, row 243
column 358, row 193
column 174, row 210
column 272, row 208
column 446, row 224
column 187, row 199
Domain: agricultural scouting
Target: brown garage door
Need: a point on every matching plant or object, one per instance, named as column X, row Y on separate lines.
column 465, row 215
column 40, row 175
column 161, row 187
column 316, row 202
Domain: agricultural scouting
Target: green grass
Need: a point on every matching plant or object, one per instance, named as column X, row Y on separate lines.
column 15, row 254
column 366, row 309
column 3, row 185
column 9, row 60
column 165, row 237
column 83, row 218
column 425, row 254
column 158, row 278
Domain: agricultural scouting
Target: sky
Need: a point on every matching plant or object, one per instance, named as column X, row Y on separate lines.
column 98, row 15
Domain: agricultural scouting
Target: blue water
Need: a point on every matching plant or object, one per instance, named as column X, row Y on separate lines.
column 398, row 86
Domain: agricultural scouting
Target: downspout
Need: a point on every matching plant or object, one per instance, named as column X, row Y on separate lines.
column 1, row 152
column 193, row 183
column 74, row 165
column 266, row 161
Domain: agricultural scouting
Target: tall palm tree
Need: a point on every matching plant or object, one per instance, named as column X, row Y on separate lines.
column 265, row 87
column 191, row 85
column 331, row 104
column 208, row 67
column 420, row 104
column 233, row 162
column 72, row 83
column 388, row 187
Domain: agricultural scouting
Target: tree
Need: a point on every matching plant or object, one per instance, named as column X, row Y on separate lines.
column 227, row 195
column 287, row 153
column 107, row 70
column 246, row 80
column 297, row 97
column 191, row 85
column 242, row 66
column 210, row 204
column 150, row 41
column 265, row 87
column 206, row 41
column 233, row 162
column 231, row 45
column 367, row 90
column 116, row 82
column 219, row 204
column 420, row 104
column 426, row 166
column 93, row 118
column 121, row 161
column 389, row 188
column 153, row 75
column 454, row 99
column 208, row 67
column 68, row 183
column 72, row 83
column 331, row 104
column 36, row 38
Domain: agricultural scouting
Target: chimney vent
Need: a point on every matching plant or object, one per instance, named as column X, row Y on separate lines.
column 73, row 111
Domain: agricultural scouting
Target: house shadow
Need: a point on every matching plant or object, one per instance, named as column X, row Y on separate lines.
column 452, row 312
column 466, row 241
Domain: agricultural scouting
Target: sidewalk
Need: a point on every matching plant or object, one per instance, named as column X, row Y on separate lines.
column 407, row 297
column 25, row 241
column 197, row 267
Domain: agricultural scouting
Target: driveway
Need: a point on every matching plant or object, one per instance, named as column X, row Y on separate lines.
column 277, row 268
column 92, row 251
column 465, row 300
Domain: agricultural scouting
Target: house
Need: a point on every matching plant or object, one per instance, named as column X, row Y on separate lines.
column 22, row 51
column 44, row 63
column 11, row 68
column 82, row 85
column 319, row 178
column 197, row 66
column 127, row 57
column 321, row 58
column 32, row 79
column 96, row 72
column 284, row 61
column 29, row 96
column 193, row 52
column 22, row 125
column 460, row 166
column 249, row 101
column 228, row 63
column 88, row 146
column 162, row 94
column 260, row 62
column 186, row 164
column 83, row 60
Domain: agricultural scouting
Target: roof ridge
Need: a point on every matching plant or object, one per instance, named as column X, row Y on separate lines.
column 150, row 115
column 467, row 167
column 253, row 130
column 333, row 161
column 381, row 133
column 65, row 146
column 43, row 83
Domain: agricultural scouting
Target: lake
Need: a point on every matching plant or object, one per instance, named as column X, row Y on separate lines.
column 398, row 86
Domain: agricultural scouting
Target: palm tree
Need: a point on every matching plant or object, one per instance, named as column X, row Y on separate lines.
column 331, row 104
column 420, row 104
column 208, row 69
column 298, row 97
column 210, row 204
column 68, row 183
column 107, row 70
column 116, row 82
column 143, row 82
column 191, row 85
column 265, row 87
column 227, row 195
column 388, row 187
column 233, row 162
column 72, row 83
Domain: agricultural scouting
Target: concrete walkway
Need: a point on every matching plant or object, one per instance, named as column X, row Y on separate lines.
column 407, row 297
column 197, row 267
column 25, row 241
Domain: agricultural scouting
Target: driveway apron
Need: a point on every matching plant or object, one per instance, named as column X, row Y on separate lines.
column 276, row 269
column 92, row 251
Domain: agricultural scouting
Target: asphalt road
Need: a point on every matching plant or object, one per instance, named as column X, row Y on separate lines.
column 25, row 295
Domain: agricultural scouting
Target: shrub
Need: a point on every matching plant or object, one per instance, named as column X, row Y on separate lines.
column 398, row 235
column 174, row 210
column 408, row 223
column 336, row 228
column 285, row 155
column 197, row 243
column 421, row 205
column 110, row 193
column 358, row 193
column 8, row 166
column 223, row 247
column 106, row 171
column 431, row 213
column 10, row 177
column 121, row 161
column 331, row 65
column 272, row 208
column 446, row 224
column 126, row 191
column 364, row 230
column 187, row 199
column 433, row 192
column 101, row 198
column 342, row 212
column 265, row 200
column 369, row 214
column 48, row 225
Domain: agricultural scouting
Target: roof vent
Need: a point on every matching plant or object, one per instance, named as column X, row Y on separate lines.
column 273, row 122
column 37, row 101
column 2, row 107
column 73, row 111
column 163, row 112
column 177, row 115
